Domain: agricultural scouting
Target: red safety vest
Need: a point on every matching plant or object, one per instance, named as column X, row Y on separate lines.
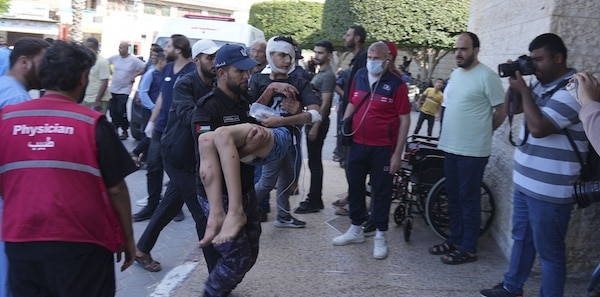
column 50, row 178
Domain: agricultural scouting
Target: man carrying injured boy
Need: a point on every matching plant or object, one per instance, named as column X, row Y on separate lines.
column 234, row 231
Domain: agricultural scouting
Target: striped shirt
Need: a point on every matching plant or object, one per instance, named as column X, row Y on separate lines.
column 545, row 167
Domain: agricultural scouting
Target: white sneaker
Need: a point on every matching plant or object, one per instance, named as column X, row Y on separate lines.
column 349, row 237
column 380, row 250
column 142, row 202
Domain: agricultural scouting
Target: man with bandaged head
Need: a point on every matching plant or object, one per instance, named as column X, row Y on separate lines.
column 272, row 89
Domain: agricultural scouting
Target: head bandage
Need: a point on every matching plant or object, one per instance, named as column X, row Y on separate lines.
column 281, row 47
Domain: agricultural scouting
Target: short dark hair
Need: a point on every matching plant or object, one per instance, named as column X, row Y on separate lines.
column 181, row 42
column 63, row 64
column 360, row 31
column 27, row 46
column 325, row 44
column 156, row 48
column 473, row 37
column 94, row 42
column 552, row 42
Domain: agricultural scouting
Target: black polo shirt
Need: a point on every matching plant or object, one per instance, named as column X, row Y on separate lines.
column 214, row 110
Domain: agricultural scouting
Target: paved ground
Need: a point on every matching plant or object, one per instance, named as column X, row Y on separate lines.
column 305, row 263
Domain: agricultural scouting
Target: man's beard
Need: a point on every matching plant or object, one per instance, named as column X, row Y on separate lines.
column 32, row 79
column 236, row 88
column 171, row 57
column 467, row 62
column 208, row 73
column 80, row 99
column 350, row 45
column 318, row 62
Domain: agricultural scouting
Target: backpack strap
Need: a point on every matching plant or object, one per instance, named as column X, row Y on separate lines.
column 545, row 95
column 586, row 170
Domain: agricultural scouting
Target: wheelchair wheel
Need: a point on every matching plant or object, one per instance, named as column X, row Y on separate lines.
column 407, row 229
column 399, row 214
column 436, row 209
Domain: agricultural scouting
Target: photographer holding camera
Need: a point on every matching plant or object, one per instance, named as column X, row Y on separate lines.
column 545, row 166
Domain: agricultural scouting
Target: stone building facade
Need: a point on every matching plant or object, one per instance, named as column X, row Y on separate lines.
column 505, row 28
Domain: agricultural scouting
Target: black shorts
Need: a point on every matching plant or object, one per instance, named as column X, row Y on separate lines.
column 61, row 269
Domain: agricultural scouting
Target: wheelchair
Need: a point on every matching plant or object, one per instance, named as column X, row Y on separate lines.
column 419, row 188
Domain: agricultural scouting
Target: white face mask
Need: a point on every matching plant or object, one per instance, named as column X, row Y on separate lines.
column 375, row 67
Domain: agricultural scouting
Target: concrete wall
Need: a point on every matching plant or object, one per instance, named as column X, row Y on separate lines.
column 505, row 28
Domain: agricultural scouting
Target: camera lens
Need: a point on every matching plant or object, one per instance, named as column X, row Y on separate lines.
column 586, row 193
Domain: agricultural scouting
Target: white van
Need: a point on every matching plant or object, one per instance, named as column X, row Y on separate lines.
column 221, row 30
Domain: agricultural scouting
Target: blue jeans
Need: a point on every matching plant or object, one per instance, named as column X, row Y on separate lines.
column 297, row 152
column 375, row 161
column 541, row 227
column 280, row 174
column 263, row 202
column 464, row 176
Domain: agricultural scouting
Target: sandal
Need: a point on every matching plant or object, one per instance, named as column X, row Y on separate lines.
column 442, row 248
column 342, row 211
column 136, row 159
column 458, row 257
column 148, row 263
column 340, row 202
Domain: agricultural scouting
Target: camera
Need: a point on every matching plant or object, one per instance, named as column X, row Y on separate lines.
column 523, row 64
column 586, row 193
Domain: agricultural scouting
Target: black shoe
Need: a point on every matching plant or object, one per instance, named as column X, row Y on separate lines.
column 306, row 207
column 144, row 214
column 498, row 291
column 179, row 217
column 369, row 228
column 262, row 217
column 124, row 135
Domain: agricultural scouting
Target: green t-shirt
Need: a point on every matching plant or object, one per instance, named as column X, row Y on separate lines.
column 470, row 97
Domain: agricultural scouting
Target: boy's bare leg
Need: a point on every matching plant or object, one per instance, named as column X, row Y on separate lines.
column 227, row 141
column 210, row 174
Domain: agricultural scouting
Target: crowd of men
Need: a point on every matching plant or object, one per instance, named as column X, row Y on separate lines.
column 197, row 98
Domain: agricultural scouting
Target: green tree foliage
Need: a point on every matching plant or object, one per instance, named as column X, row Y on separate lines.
column 302, row 20
column 4, row 6
column 428, row 28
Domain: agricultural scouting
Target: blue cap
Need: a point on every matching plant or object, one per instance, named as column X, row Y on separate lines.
column 234, row 55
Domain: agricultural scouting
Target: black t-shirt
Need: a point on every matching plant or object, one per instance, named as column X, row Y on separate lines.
column 214, row 110
column 359, row 61
column 259, row 83
column 177, row 142
column 115, row 162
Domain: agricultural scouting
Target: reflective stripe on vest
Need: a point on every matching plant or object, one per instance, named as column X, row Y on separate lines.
column 47, row 112
column 50, row 164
